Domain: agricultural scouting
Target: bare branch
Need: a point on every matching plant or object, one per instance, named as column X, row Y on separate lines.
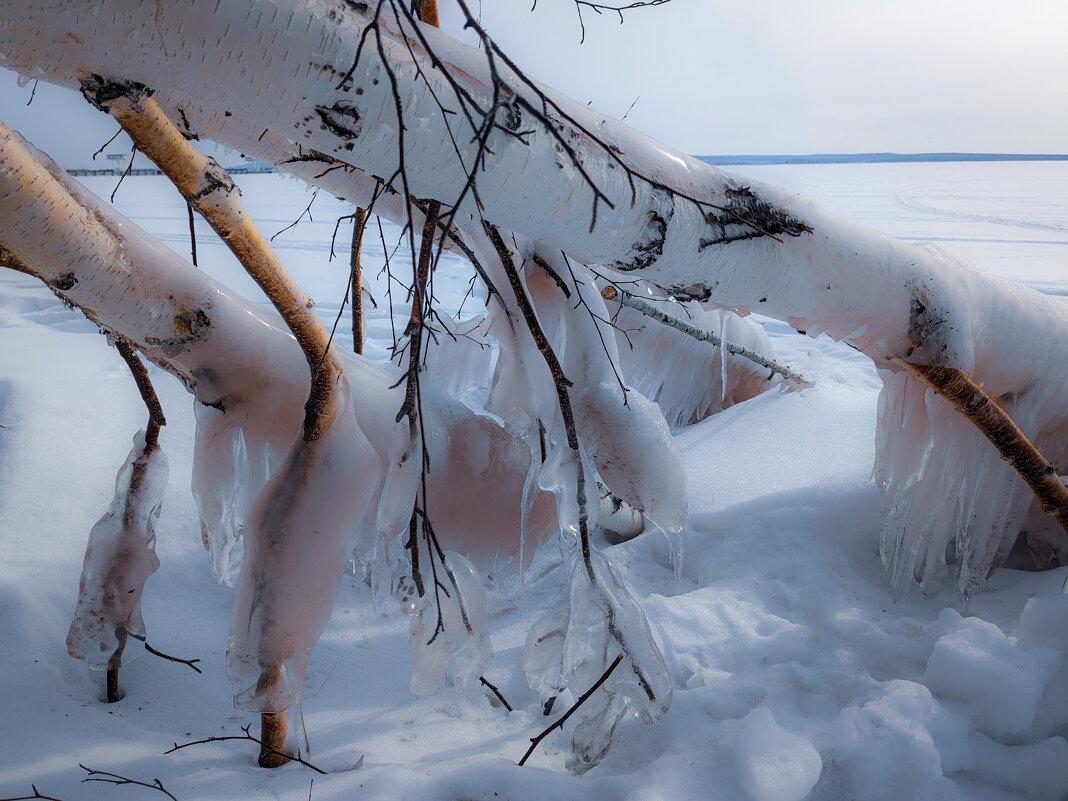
column 245, row 736
column 560, row 723
column 115, row 778
column 969, row 399
column 36, row 794
column 492, row 688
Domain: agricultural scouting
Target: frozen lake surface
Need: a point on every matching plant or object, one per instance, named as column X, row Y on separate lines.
column 795, row 674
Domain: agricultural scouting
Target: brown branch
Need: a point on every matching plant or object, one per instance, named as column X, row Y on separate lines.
column 272, row 739
column 497, row 693
column 428, row 12
column 112, row 694
column 36, row 794
column 115, row 778
column 969, row 399
column 560, row 723
column 245, row 736
column 148, row 393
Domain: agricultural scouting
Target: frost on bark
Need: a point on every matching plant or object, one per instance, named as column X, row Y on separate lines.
column 547, row 198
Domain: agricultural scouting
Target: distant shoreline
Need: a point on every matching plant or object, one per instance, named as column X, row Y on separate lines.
column 878, row 158
column 718, row 161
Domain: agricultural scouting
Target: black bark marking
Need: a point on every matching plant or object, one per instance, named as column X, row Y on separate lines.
column 747, row 216
column 64, row 282
column 101, row 92
column 650, row 245
column 217, row 178
column 342, row 119
column 928, row 327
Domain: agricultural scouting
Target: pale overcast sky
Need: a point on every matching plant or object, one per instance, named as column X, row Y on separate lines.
column 755, row 76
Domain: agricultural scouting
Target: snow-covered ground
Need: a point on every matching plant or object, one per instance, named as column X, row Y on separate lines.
column 796, row 676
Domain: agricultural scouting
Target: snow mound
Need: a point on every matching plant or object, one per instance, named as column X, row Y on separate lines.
column 1001, row 683
column 770, row 763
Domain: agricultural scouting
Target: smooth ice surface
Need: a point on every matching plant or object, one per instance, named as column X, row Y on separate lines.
column 783, row 603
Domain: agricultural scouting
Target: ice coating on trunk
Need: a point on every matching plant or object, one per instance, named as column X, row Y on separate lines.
column 298, row 539
column 947, row 494
column 119, row 558
column 462, row 642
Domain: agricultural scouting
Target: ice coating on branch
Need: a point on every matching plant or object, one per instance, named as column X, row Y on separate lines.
column 298, row 539
column 634, row 451
column 462, row 641
column 689, row 379
column 229, row 472
column 951, row 504
column 458, row 356
column 403, row 470
column 571, row 649
column 119, row 559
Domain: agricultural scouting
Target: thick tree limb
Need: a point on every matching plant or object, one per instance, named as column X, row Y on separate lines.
column 209, row 189
column 969, row 399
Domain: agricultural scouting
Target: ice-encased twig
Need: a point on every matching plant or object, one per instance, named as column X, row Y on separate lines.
column 625, row 298
column 119, row 558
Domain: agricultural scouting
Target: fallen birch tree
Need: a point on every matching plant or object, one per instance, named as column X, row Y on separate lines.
column 373, row 105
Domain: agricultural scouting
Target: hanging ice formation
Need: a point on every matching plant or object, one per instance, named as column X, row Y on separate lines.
column 119, row 558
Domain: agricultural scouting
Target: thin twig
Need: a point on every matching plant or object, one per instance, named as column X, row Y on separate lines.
column 245, row 736
column 156, row 420
column 192, row 233
column 104, row 146
column 115, row 778
column 168, row 657
column 562, row 384
column 560, row 723
column 36, row 794
column 307, row 210
column 127, row 171
column 496, row 692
